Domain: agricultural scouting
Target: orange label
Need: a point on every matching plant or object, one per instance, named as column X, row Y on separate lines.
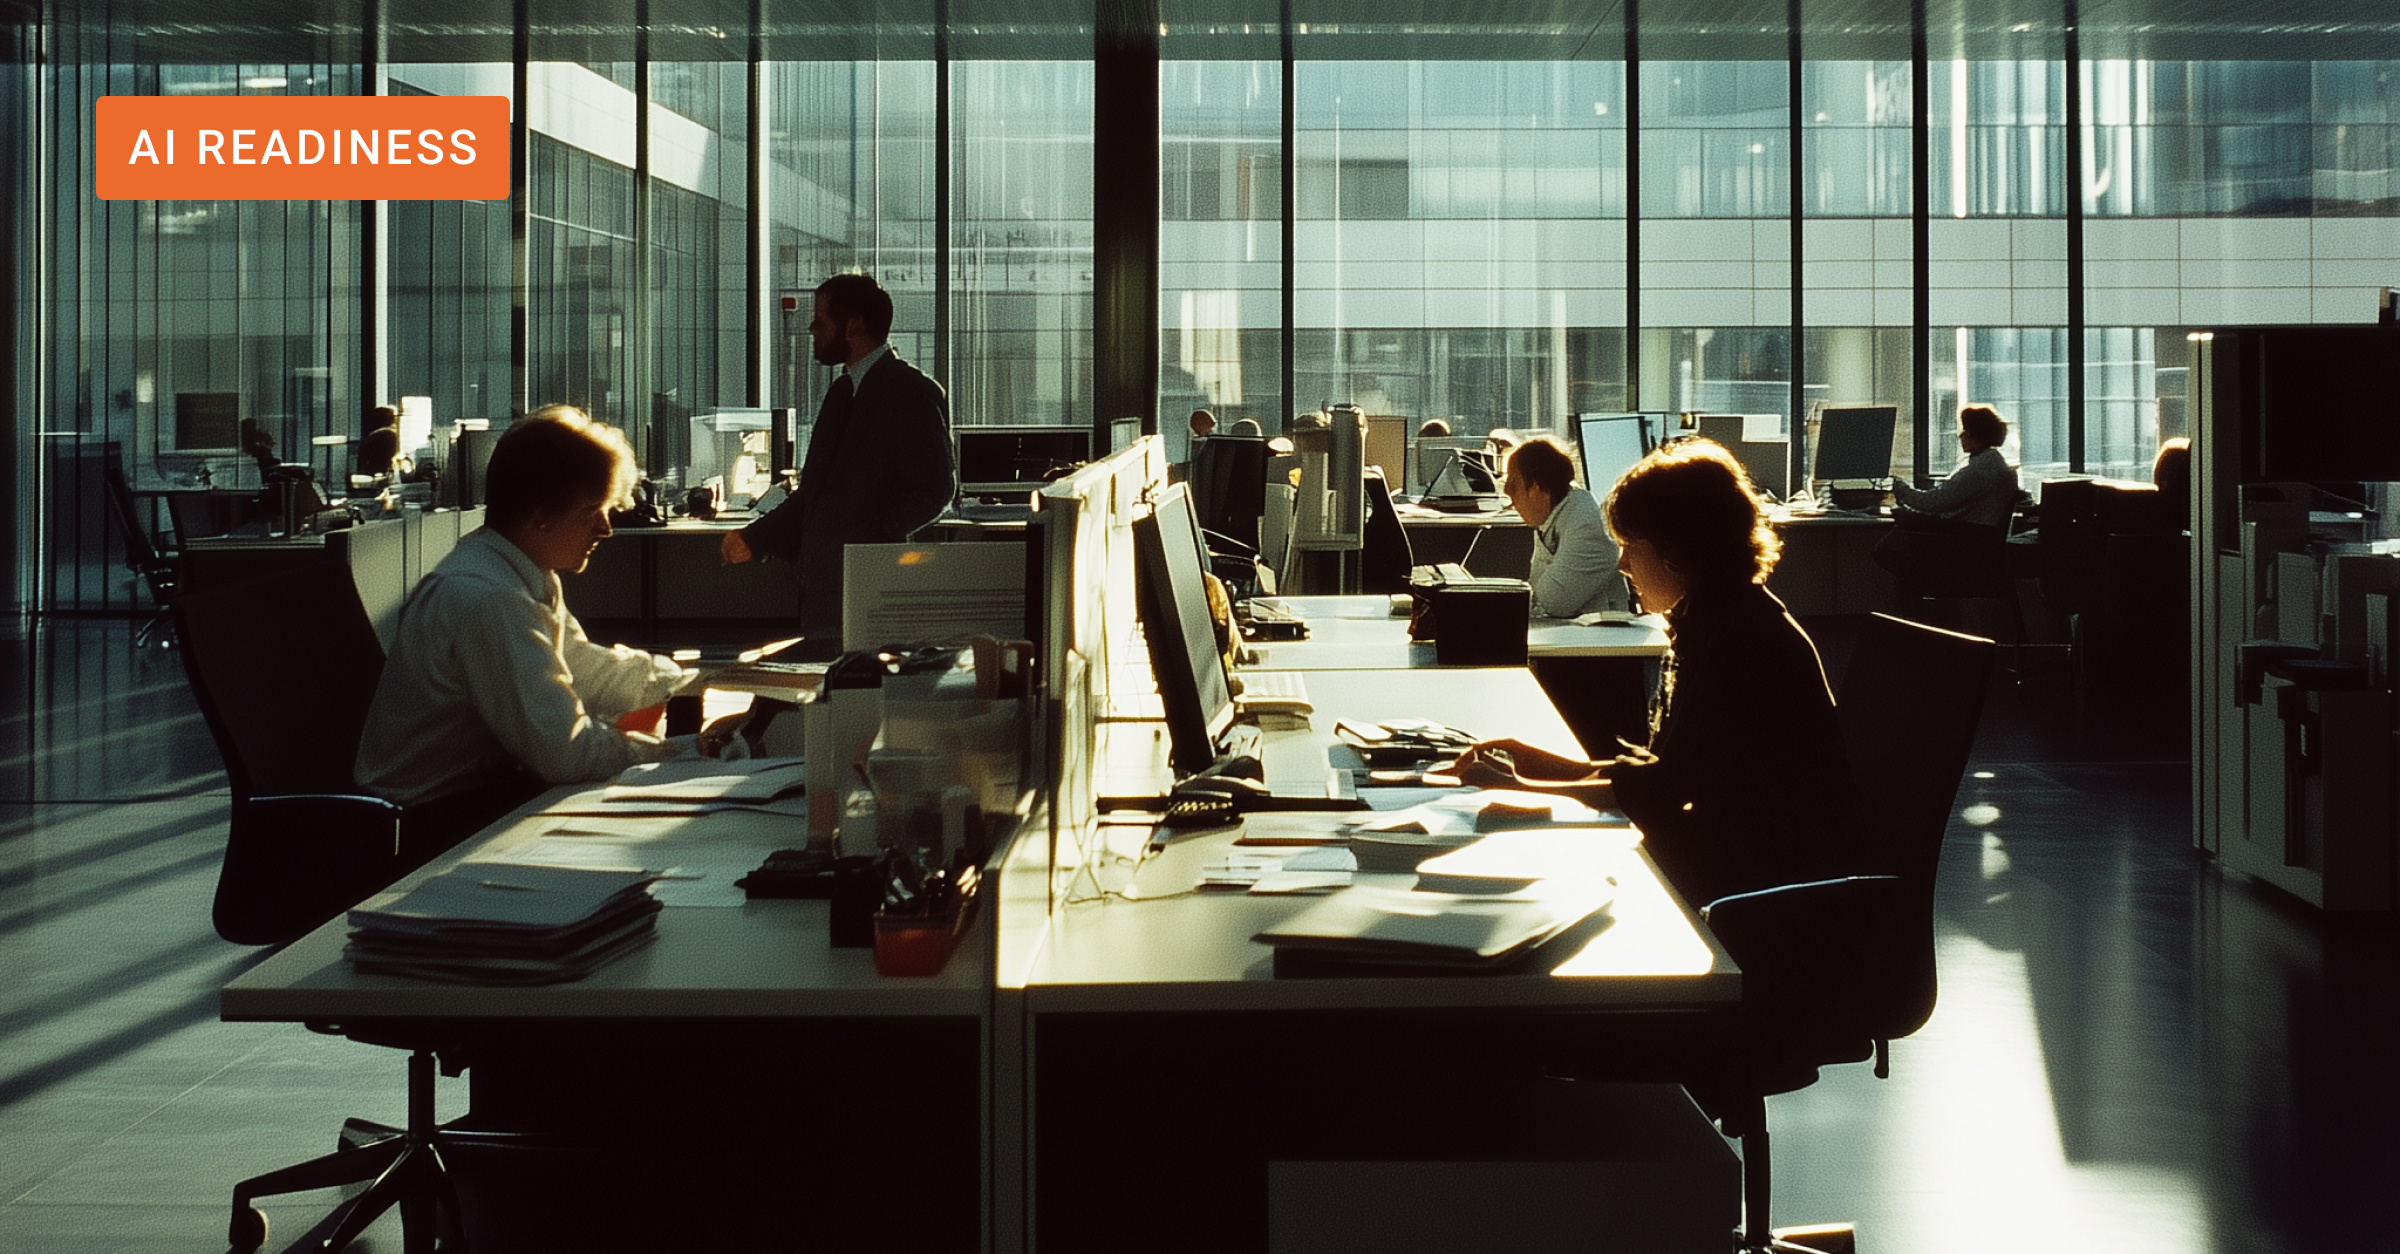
column 301, row 147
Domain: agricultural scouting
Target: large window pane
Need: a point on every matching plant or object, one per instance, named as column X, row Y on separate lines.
column 1461, row 241
column 699, row 254
column 579, row 301
column 1220, row 245
column 449, row 263
column 1021, row 240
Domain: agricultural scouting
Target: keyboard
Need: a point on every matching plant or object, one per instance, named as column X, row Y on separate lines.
column 1273, row 692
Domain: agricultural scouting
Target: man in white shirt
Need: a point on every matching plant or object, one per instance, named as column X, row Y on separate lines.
column 1574, row 560
column 492, row 692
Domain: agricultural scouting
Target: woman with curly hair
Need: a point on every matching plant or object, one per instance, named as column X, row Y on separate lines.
column 1743, row 784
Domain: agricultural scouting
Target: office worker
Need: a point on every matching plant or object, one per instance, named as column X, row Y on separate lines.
column 492, row 692
column 1983, row 488
column 1574, row 560
column 879, row 460
column 1743, row 784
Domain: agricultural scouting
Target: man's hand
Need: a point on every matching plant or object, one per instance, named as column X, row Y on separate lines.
column 735, row 550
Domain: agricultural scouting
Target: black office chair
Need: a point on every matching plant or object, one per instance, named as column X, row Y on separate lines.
column 1835, row 971
column 155, row 569
column 284, row 669
column 1385, row 558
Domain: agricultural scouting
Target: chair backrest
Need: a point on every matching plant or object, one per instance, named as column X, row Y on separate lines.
column 1909, row 704
column 1228, row 475
column 1386, row 558
column 140, row 553
column 283, row 667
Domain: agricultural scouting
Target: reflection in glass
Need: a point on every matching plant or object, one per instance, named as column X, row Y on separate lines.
column 1021, row 240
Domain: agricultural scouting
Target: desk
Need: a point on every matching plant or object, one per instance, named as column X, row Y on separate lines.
column 694, row 1067
column 1828, row 565
column 1157, row 1031
column 1360, row 633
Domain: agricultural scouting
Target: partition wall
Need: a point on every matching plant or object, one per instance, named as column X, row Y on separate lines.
column 1492, row 215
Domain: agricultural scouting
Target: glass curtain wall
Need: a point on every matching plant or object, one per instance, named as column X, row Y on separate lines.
column 1858, row 250
column 582, row 273
column 448, row 263
column 193, row 342
column 1220, row 231
column 1716, row 237
column 1461, row 241
column 699, row 259
column 1021, row 243
column 850, row 153
column 1998, row 266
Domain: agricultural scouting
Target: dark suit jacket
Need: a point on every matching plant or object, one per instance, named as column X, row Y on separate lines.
column 884, row 473
column 1746, row 785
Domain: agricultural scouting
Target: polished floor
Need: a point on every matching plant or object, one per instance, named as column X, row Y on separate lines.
column 2133, row 1052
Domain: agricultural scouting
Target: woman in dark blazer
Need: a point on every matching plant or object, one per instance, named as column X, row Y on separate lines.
column 1743, row 784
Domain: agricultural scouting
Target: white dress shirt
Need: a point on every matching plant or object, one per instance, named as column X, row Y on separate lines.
column 1575, row 560
column 489, row 669
column 1982, row 490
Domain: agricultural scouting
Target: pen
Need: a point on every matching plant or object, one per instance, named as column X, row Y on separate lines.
column 515, row 888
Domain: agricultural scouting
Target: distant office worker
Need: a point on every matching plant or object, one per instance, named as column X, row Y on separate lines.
column 1983, row 489
column 492, row 691
column 1245, row 427
column 1743, row 784
column 879, row 460
column 1574, row 559
column 1203, row 422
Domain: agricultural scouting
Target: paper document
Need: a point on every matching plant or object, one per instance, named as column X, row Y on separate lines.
column 940, row 593
column 707, row 779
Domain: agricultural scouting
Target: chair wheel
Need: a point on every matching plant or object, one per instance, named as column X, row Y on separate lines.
column 248, row 1231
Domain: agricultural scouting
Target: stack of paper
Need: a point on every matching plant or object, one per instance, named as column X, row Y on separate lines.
column 1398, row 840
column 505, row 923
column 1375, row 927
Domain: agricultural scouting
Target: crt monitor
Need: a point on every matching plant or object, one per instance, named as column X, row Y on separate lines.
column 1854, row 442
column 995, row 461
column 1610, row 445
column 1172, row 599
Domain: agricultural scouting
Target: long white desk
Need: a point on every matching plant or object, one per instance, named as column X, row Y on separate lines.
column 1172, row 1079
column 1361, row 633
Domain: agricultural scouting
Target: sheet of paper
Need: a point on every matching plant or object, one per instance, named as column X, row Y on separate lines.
column 706, row 779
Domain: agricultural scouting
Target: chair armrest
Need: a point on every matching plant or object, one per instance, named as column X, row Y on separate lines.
column 293, row 861
column 1849, row 955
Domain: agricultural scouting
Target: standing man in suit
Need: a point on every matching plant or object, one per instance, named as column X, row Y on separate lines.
column 879, row 460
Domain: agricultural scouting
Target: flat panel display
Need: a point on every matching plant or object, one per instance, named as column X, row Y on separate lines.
column 1610, row 444
column 995, row 460
column 1172, row 598
column 1854, row 442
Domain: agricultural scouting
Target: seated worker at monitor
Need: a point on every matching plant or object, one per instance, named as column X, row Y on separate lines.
column 492, row 692
column 1743, row 784
column 878, row 464
column 1574, row 560
column 1938, row 532
column 1983, row 489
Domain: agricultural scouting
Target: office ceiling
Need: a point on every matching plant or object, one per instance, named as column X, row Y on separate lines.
column 604, row 30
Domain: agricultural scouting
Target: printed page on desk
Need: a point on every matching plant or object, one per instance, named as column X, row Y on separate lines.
column 1439, row 928
column 707, row 779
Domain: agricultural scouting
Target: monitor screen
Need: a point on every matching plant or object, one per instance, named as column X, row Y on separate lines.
column 1017, row 459
column 207, row 421
column 1172, row 599
column 1610, row 444
column 1854, row 442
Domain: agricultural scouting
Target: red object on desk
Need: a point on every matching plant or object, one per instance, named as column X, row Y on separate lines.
column 646, row 719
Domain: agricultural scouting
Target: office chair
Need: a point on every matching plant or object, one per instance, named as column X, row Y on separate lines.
column 284, row 669
column 1834, row 970
column 156, row 570
column 1385, row 559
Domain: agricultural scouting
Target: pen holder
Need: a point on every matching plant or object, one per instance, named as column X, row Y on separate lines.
column 918, row 944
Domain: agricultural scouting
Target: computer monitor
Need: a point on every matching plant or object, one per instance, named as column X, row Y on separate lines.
column 1172, row 599
column 1854, row 442
column 208, row 422
column 1228, row 478
column 1006, row 461
column 470, row 460
column 1610, row 444
column 1435, row 454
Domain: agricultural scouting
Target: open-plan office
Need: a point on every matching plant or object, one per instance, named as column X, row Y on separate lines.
column 2165, row 954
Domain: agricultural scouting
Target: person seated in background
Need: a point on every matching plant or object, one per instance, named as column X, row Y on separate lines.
column 1245, row 427
column 492, row 692
column 378, row 452
column 1743, row 784
column 1941, row 536
column 1204, row 423
column 1983, row 489
column 1574, row 560
column 277, row 477
column 1433, row 428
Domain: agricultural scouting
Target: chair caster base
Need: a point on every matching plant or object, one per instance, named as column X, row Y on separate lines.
column 1814, row 1239
column 248, row 1231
